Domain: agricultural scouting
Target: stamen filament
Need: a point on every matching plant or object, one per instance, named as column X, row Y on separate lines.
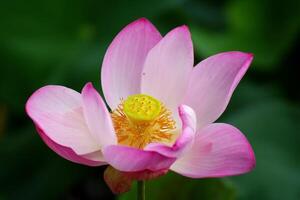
column 140, row 131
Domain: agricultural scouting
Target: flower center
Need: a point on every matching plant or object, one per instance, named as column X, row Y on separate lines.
column 142, row 107
column 142, row 119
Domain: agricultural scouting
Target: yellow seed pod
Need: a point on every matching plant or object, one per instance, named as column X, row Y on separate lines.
column 141, row 107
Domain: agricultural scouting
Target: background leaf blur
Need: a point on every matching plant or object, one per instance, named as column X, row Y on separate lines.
column 63, row 42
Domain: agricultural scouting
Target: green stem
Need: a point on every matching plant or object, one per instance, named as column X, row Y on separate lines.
column 141, row 190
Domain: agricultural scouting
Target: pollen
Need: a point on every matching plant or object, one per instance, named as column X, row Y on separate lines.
column 141, row 120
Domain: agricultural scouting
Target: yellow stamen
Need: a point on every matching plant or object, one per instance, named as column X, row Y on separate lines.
column 142, row 119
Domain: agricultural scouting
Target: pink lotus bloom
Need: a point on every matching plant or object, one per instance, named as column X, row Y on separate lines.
column 162, row 116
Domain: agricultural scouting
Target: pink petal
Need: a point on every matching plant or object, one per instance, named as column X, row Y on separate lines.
column 95, row 156
column 219, row 150
column 212, row 83
column 123, row 61
column 184, row 141
column 168, row 66
column 97, row 116
column 128, row 159
column 57, row 110
column 68, row 153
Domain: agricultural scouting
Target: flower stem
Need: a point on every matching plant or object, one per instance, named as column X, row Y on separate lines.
column 141, row 190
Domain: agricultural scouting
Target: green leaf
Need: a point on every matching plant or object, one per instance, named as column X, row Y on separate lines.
column 272, row 128
column 30, row 170
column 265, row 28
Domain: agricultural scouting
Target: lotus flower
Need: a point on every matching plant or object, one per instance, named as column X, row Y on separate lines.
column 162, row 111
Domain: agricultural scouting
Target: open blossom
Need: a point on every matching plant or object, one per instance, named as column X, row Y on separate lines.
column 162, row 111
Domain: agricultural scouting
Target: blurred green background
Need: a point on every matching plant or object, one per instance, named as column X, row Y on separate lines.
column 63, row 42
